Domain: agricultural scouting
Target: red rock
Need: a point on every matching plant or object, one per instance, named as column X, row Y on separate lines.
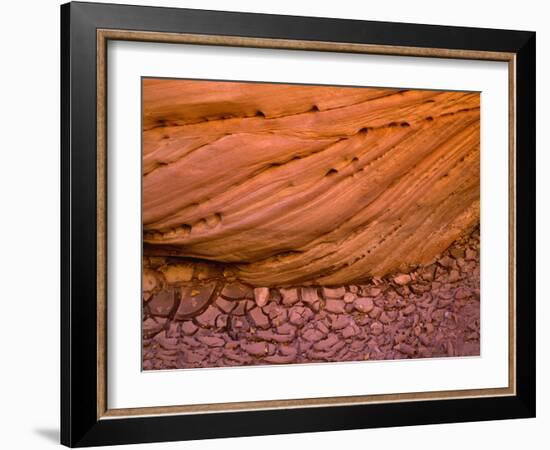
column 188, row 328
column 255, row 348
column 237, row 291
column 375, row 312
column 349, row 331
column 194, row 298
column 321, row 326
column 288, row 350
column 334, row 292
column 225, row 305
column 261, row 295
column 286, row 328
column 327, row 343
column 150, row 280
column 364, row 305
column 241, row 308
column 152, row 326
column 457, row 252
column 221, row 322
column 335, row 306
column 211, row 341
column 290, row 296
column 268, row 335
column 259, row 319
column 454, row 276
column 349, row 297
column 309, row 295
column 208, row 317
column 279, row 359
column 402, row 279
column 405, row 348
column 162, row 303
column 462, row 294
column 374, row 291
column 313, row 335
column 384, row 318
column 447, row 262
column 376, row 328
column 409, row 309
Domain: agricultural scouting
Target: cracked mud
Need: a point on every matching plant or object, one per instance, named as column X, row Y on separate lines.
column 194, row 317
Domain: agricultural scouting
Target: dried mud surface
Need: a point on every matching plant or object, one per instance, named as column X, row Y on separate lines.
column 195, row 315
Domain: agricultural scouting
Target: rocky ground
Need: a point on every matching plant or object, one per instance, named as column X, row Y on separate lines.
column 194, row 317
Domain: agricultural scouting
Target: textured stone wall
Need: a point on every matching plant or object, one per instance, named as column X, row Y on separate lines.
column 293, row 185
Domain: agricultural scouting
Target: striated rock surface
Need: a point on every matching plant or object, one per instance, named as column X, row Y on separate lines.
column 286, row 185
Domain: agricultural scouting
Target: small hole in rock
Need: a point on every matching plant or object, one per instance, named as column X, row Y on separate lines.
column 331, row 172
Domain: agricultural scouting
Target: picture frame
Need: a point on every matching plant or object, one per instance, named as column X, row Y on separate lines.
column 86, row 418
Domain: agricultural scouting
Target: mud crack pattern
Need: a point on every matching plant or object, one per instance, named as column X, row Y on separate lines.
column 194, row 317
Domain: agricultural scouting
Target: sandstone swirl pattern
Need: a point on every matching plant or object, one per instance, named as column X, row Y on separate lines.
column 296, row 185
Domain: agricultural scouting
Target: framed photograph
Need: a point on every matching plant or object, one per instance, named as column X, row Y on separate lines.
column 277, row 224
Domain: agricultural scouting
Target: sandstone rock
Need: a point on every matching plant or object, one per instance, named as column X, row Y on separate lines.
column 188, row 328
column 457, row 252
column 280, row 359
column 405, row 348
column 177, row 273
column 376, row 328
column 255, row 348
column 334, row 292
column 454, row 276
column 208, row 317
column 339, row 322
column 349, row 331
column 349, row 297
column 211, row 341
column 375, row 312
column 309, row 295
column 327, row 343
column 313, row 335
column 364, row 305
column 462, row 294
column 286, row 328
column 258, row 318
column 225, row 305
column 261, row 295
column 190, row 211
column 237, row 291
column 162, row 303
column 335, row 306
column 402, row 279
column 152, row 326
column 290, row 296
column 194, row 298
column 374, row 291
column 150, row 280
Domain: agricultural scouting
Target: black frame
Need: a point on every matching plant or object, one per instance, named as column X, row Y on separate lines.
column 79, row 423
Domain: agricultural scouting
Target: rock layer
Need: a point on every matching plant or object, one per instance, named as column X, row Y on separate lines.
column 288, row 185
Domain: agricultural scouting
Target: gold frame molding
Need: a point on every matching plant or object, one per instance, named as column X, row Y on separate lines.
column 103, row 36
